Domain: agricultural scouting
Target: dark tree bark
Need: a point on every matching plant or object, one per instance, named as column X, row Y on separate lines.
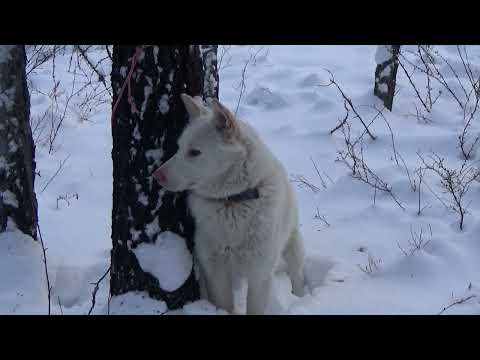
column 18, row 202
column 210, row 71
column 145, row 133
column 386, row 74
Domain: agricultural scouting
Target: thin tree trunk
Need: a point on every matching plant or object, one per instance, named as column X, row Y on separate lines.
column 18, row 203
column 144, row 136
column 386, row 73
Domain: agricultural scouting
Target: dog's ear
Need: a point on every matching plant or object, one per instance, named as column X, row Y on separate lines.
column 224, row 119
column 194, row 105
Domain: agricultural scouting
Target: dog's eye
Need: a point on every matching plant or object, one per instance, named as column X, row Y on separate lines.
column 194, row 152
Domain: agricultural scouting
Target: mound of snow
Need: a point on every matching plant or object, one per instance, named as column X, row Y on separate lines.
column 70, row 285
column 136, row 303
column 23, row 286
column 310, row 80
column 202, row 307
column 168, row 260
column 261, row 96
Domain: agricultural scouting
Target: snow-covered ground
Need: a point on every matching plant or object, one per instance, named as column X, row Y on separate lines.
column 345, row 224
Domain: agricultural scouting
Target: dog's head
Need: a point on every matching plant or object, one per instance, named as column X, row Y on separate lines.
column 207, row 148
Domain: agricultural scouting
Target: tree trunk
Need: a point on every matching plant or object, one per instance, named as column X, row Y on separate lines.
column 210, row 71
column 386, row 73
column 145, row 132
column 18, row 203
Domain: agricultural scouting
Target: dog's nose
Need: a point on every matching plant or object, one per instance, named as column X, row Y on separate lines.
column 159, row 175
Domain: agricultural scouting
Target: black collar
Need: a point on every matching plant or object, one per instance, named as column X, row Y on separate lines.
column 249, row 194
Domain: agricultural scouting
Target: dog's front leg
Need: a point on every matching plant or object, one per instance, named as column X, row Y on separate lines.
column 215, row 279
column 239, row 292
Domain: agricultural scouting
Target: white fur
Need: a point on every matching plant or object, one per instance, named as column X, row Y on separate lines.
column 238, row 246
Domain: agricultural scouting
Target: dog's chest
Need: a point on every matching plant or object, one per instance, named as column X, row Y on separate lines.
column 225, row 229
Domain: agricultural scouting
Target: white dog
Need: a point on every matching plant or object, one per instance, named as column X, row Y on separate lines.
column 243, row 205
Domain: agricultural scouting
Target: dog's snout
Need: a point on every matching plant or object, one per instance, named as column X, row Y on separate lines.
column 160, row 176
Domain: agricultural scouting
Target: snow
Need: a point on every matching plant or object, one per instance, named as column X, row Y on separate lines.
column 156, row 49
column 383, row 88
column 163, row 106
column 136, row 134
column 143, row 199
column 13, row 146
column 6, row 97
column 154, row 155
column 9, row 198
column 387, row 71
column 5, row 52
column 23, row 288
column 264, row 98
column 123, row 71
column 147, row 92
column 153, row 228
column 293, row 115
column 201, row 307
column 135, row 303
column 3, row 163
column 168, row 259
column 384, row 53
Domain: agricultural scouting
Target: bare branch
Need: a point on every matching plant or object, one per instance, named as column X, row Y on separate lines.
column 242, row 86
column 349, row 101
column 318, row 172
column 44, row 250
column 454, row 182
column 321, row 218
column 101, row 77
column 360, row 170
column 372, row 265
column 56, row 173
column 302, row 181
column 94, row 293
column 457, row 302
column 60, row 304
column 414, row 87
